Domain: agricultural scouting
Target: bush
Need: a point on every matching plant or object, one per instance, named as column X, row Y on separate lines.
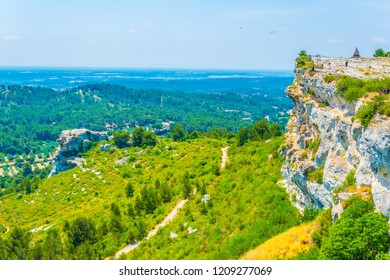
column 347, row 82
column 313, row 146
column 382, row 105
column 81, row 230
column 380, row 53
column 149, row 138
column 353, row 88
column 121, row 139
column 353, row 94
column 350, row 88
column 137, row 136
column 350, row 181
column 309, row 214
column 302, row 60
column 365, row 113
column 316, row 175
column 359, row 234
column 178, row 133
column 325, row 223
column 329, row 78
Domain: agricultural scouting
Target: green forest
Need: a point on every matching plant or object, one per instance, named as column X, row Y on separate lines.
column 32, row 118
column 219, row 159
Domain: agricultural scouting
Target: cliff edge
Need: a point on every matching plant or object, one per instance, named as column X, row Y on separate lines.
column 331, row 154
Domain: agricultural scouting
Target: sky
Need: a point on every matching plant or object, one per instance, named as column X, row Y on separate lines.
column 199, row 34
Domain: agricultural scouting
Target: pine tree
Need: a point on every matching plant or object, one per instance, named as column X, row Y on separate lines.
column 149, row 138
column 129, row 190
column 130, row 210
column 137, row 136
column 165, row 193
column 186, row 188
column 178, row 133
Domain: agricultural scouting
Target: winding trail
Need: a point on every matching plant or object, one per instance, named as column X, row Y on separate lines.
column 224, row 157
column 4, row 225
column 153, row 232
column 7, row 229
column 169, row 217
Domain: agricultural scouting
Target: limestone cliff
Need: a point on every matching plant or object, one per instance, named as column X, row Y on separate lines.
column 324, row 139
column 71, row 143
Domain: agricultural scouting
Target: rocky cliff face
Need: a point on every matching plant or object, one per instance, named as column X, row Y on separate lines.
column 324, row 142
column 71, row 143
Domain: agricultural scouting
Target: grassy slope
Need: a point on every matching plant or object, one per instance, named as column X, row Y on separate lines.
column 248, row 207
column 285, row 245
column 75, row 193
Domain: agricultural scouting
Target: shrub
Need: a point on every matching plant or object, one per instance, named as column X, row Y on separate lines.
column 353, row 94
column 329, row 78
column 379, row 53
column 359, row 234
column 365, row 113
column 178, row 133
column 309, row 214
column 316, row 175
column 325, row 223
column 350, row 181
column 313, row 146
column 347, row 82
column 302, row 59
column 350, row 88
column 121, row 139
column 381, row 104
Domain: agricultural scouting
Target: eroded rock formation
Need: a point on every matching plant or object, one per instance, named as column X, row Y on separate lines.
column 71, row 144
column 323, row 136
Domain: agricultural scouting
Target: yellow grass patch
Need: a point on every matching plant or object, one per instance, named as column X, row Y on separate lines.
column 285, row 245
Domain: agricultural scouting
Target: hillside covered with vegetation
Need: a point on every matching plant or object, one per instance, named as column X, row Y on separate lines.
column 33, row 117
column 119, row 195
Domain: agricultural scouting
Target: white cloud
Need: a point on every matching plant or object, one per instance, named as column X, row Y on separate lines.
column 132, row 30
column 378, row 39
column 334, row 41
column 12, row 38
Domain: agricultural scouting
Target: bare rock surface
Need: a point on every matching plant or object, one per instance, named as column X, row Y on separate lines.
column 71, row 144
column 321, row 114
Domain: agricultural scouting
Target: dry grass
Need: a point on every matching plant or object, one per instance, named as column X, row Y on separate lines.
column 364, row 191
column 285, row 245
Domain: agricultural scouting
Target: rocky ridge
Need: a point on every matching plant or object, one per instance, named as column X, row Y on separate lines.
column 71, row 144
column 322, row 136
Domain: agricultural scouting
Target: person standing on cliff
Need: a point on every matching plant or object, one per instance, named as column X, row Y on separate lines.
column 346, row 63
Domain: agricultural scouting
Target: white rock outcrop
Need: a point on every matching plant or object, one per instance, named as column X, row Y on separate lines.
column 322, row 116
column 71, row 144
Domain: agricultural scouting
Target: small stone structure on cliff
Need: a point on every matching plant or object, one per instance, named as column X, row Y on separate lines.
column 356, row 53
column 71, row 143
column 323, row 136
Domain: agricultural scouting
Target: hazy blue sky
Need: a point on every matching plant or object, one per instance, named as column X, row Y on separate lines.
column 241, row 34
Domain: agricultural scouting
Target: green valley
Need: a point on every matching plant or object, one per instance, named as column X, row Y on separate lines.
column 118, row 196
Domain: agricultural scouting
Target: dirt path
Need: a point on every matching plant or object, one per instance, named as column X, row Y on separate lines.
column 167, row 219
column 170, row 216
column 224, row 157
column 7, row 229
column 44, row 228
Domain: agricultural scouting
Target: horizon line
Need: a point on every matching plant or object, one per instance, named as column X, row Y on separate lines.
column 145, row 68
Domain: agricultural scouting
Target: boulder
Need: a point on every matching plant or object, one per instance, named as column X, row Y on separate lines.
column 106, row 147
